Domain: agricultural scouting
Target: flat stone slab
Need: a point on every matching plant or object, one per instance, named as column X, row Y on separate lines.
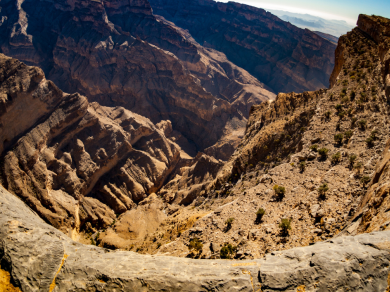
column 41, row 258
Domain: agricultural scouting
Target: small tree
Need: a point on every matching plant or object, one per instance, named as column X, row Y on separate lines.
column 365, row 180
column 362, row 124
column 352, row 159
column 302, row 166
column 259, row 214
column 323, row 152
column 322, row 190
column 370, row 141
column 338, row 138
column 229, row 223
column 358, row 166
column 336, row 157
column 285, row 226
column 348, row 134
column 314, row 147
column 353, row 121
column 374, row 134
column 195, row 245
column 279, row 191
column 227, row 251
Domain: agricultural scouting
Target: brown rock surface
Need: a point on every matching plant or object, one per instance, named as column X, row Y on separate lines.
column 78, row 162
column 280, row 55
column 119, row 54
column 280, row 148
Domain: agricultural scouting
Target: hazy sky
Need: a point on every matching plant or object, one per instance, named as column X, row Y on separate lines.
column 347, row 10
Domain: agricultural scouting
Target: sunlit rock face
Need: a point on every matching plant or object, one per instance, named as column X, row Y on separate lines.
column 279, row 54
column 119, row 54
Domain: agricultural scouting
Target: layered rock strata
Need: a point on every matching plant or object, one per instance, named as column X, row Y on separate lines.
column 76, row 162
column 56, row 263
column 119, row 54
column 280, row 55
column 322, row 147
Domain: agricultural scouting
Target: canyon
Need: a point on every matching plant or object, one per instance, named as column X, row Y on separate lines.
column 171, row 145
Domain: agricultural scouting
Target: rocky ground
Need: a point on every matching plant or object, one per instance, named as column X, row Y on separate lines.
column 310, row 167
column 281, row 147
column 56, row 263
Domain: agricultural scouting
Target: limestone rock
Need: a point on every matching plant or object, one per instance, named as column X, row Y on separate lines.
column 55, row 261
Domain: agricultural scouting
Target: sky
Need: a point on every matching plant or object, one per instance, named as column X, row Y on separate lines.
column 347, row 10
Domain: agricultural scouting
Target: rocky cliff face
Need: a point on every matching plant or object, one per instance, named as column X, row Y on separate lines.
column 56, row 263
column 322, row 147
column 119, row 54
column 76, row 162
column 282, row 56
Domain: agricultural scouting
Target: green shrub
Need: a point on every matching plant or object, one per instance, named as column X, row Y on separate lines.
column 370, row 141
column 341, row 114
column 352, row 159
column 348, row 134
column 362, row 124
column 338, row 138
column 338, row 107
column 195, row 244
column 358, row 165
column 336, row 157
column 285, row 225
column 259, row 214
column 302, row 166
column 374, row 134
column 353, row 121
column 227, row 251
column 345, row 100
column 323, row 152
column 365, row 180
column 322, row 190
column 229, row 223
column 327, row 114
column 314, row 147
column 279, row 191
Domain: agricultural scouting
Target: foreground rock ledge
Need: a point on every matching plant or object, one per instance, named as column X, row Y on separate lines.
column 41, row 258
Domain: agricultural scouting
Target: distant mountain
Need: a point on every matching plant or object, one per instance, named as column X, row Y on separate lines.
column 282, row 56
column 315, row 23
column 328, row 37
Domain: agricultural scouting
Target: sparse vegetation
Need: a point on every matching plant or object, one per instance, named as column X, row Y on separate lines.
column 314, row 147
column 229, row 223
column 336, row 158
column 322, row 190
column 370, row 141
column 327, row 115
column 259, row 214
column 362, row 124
column 352, row 159
column 285, row 226
column 338, row 138
column 279, row 191
column 195, row 245
column 302, row 166
column 227, row 251
column 348, row 134
column 365, row 180
column 323, row 152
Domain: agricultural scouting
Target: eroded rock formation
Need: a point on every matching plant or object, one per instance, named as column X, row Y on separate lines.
column 119, row 54
column 76, row 162
column 280, row 55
